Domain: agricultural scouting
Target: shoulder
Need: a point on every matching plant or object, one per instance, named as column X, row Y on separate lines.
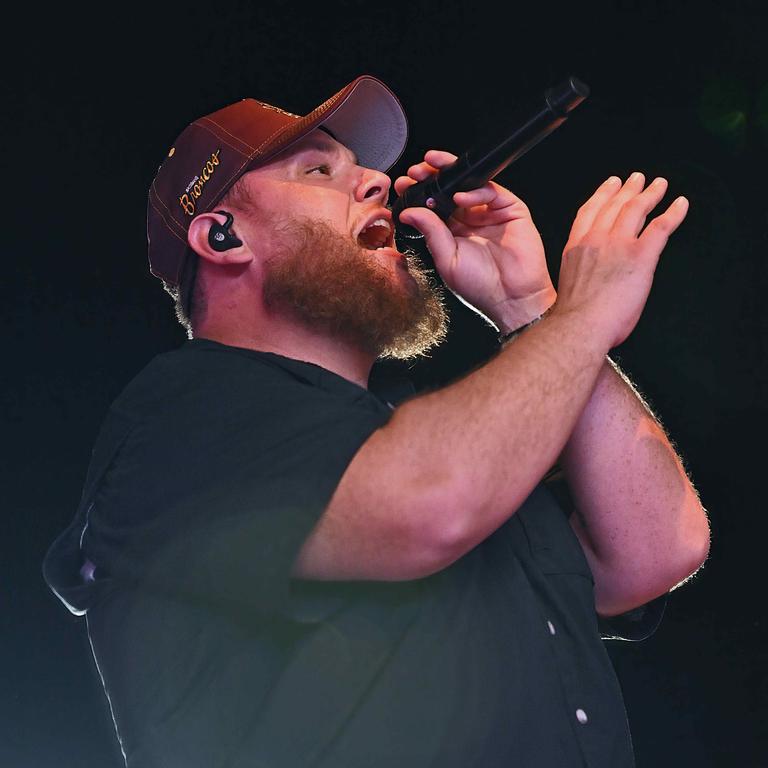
column 191, row 367
column 205, row 391
column 202, row 377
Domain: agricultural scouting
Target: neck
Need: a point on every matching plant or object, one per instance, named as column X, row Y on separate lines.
column 291, row 339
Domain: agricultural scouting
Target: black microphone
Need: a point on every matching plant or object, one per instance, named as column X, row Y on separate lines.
column 492, row 155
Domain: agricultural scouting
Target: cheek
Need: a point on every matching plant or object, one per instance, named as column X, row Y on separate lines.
column 329, row 205
column 289, row 200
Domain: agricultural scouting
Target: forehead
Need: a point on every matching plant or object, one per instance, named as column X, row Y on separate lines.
column 318, row 141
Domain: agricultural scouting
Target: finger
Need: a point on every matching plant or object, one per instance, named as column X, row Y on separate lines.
column 606, row 218
column 491, row 194
column 631, row 218
column 488, row 206
column 439, row 158
column 483, row 196
column 416, row 173
column 486, row 195
column 434, row 161
column 440, row 241
column 402, row 183
column 658, row 231
column 586, row 215
column 421, row 171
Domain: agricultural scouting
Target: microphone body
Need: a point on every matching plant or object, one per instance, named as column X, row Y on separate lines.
column 491, row 155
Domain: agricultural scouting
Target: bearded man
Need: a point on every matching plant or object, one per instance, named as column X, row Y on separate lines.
column 279, row 567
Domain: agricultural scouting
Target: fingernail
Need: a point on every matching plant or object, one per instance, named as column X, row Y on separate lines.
column 658, row 181
column 681, row 201
column 635, row 176
column 613, row 180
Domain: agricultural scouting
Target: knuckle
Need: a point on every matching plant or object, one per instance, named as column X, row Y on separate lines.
column 583, row 250
column 660, row 225
column 582, row 247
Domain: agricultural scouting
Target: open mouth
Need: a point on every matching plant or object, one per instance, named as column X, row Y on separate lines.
column 377, row 234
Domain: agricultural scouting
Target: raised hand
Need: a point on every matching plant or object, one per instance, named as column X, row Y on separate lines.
column 609, row 260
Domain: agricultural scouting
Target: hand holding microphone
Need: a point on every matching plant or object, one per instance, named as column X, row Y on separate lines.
column 491, row 255
column 492, row 155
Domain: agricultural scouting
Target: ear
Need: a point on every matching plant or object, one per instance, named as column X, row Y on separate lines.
column 198, row 239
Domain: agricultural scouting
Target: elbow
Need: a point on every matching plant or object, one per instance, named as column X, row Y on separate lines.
column 661, row 567
column 696, row 547
column 447, row 525
column 692, row 550
column 698, row 536
column 701, row 552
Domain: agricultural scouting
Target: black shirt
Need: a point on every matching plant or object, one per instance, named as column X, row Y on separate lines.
column 209, row 472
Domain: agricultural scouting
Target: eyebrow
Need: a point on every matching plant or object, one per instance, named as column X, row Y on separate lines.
column 319, row 145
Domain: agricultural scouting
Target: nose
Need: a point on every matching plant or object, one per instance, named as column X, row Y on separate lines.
column 373, row 185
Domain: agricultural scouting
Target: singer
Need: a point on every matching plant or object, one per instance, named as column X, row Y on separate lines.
column 281, row 567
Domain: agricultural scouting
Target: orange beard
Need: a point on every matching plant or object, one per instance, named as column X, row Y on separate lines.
column 328, row 282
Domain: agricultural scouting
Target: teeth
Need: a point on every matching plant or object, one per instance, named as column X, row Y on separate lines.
column 378, row 223
column 376, row 234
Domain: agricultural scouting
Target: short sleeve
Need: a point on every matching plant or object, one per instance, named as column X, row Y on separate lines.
column 213, row 495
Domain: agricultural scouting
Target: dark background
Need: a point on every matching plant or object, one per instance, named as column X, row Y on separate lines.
column 95, row 98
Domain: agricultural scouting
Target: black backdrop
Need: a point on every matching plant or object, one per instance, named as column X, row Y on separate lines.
column 93, row 100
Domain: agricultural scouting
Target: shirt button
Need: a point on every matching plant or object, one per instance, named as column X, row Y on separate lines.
column 551, row 627
column 581, row 716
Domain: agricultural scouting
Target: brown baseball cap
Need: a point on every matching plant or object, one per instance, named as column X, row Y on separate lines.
column 214, row 151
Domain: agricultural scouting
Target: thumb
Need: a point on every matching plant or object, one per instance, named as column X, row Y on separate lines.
column 440, row 240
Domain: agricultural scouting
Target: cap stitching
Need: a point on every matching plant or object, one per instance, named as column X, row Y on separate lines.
column 313, row 114
column 162, row 202
column 252, row 157
column 248, row 159
column 267, row 140
column 225, row 186
column 214, row 198
column 232, row 146
column 162, row 215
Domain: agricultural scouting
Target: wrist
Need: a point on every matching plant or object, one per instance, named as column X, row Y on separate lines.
column 516, row 314
column 505, row 338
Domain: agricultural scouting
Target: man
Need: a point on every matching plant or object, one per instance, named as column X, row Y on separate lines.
column 279, row 567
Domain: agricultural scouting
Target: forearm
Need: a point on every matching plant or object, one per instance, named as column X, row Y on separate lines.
column 452, row 465
column 641, row 518
column 490, row 437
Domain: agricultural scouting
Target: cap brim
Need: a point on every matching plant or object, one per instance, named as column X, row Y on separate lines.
column 365, row 116
column 369, row 120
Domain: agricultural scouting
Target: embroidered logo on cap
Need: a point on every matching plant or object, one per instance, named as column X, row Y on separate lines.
column 195, row 187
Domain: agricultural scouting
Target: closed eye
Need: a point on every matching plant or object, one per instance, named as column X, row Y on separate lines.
column 324, row 169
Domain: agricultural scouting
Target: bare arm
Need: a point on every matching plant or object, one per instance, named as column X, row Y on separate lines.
column 640, row 521
column 452, row 465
